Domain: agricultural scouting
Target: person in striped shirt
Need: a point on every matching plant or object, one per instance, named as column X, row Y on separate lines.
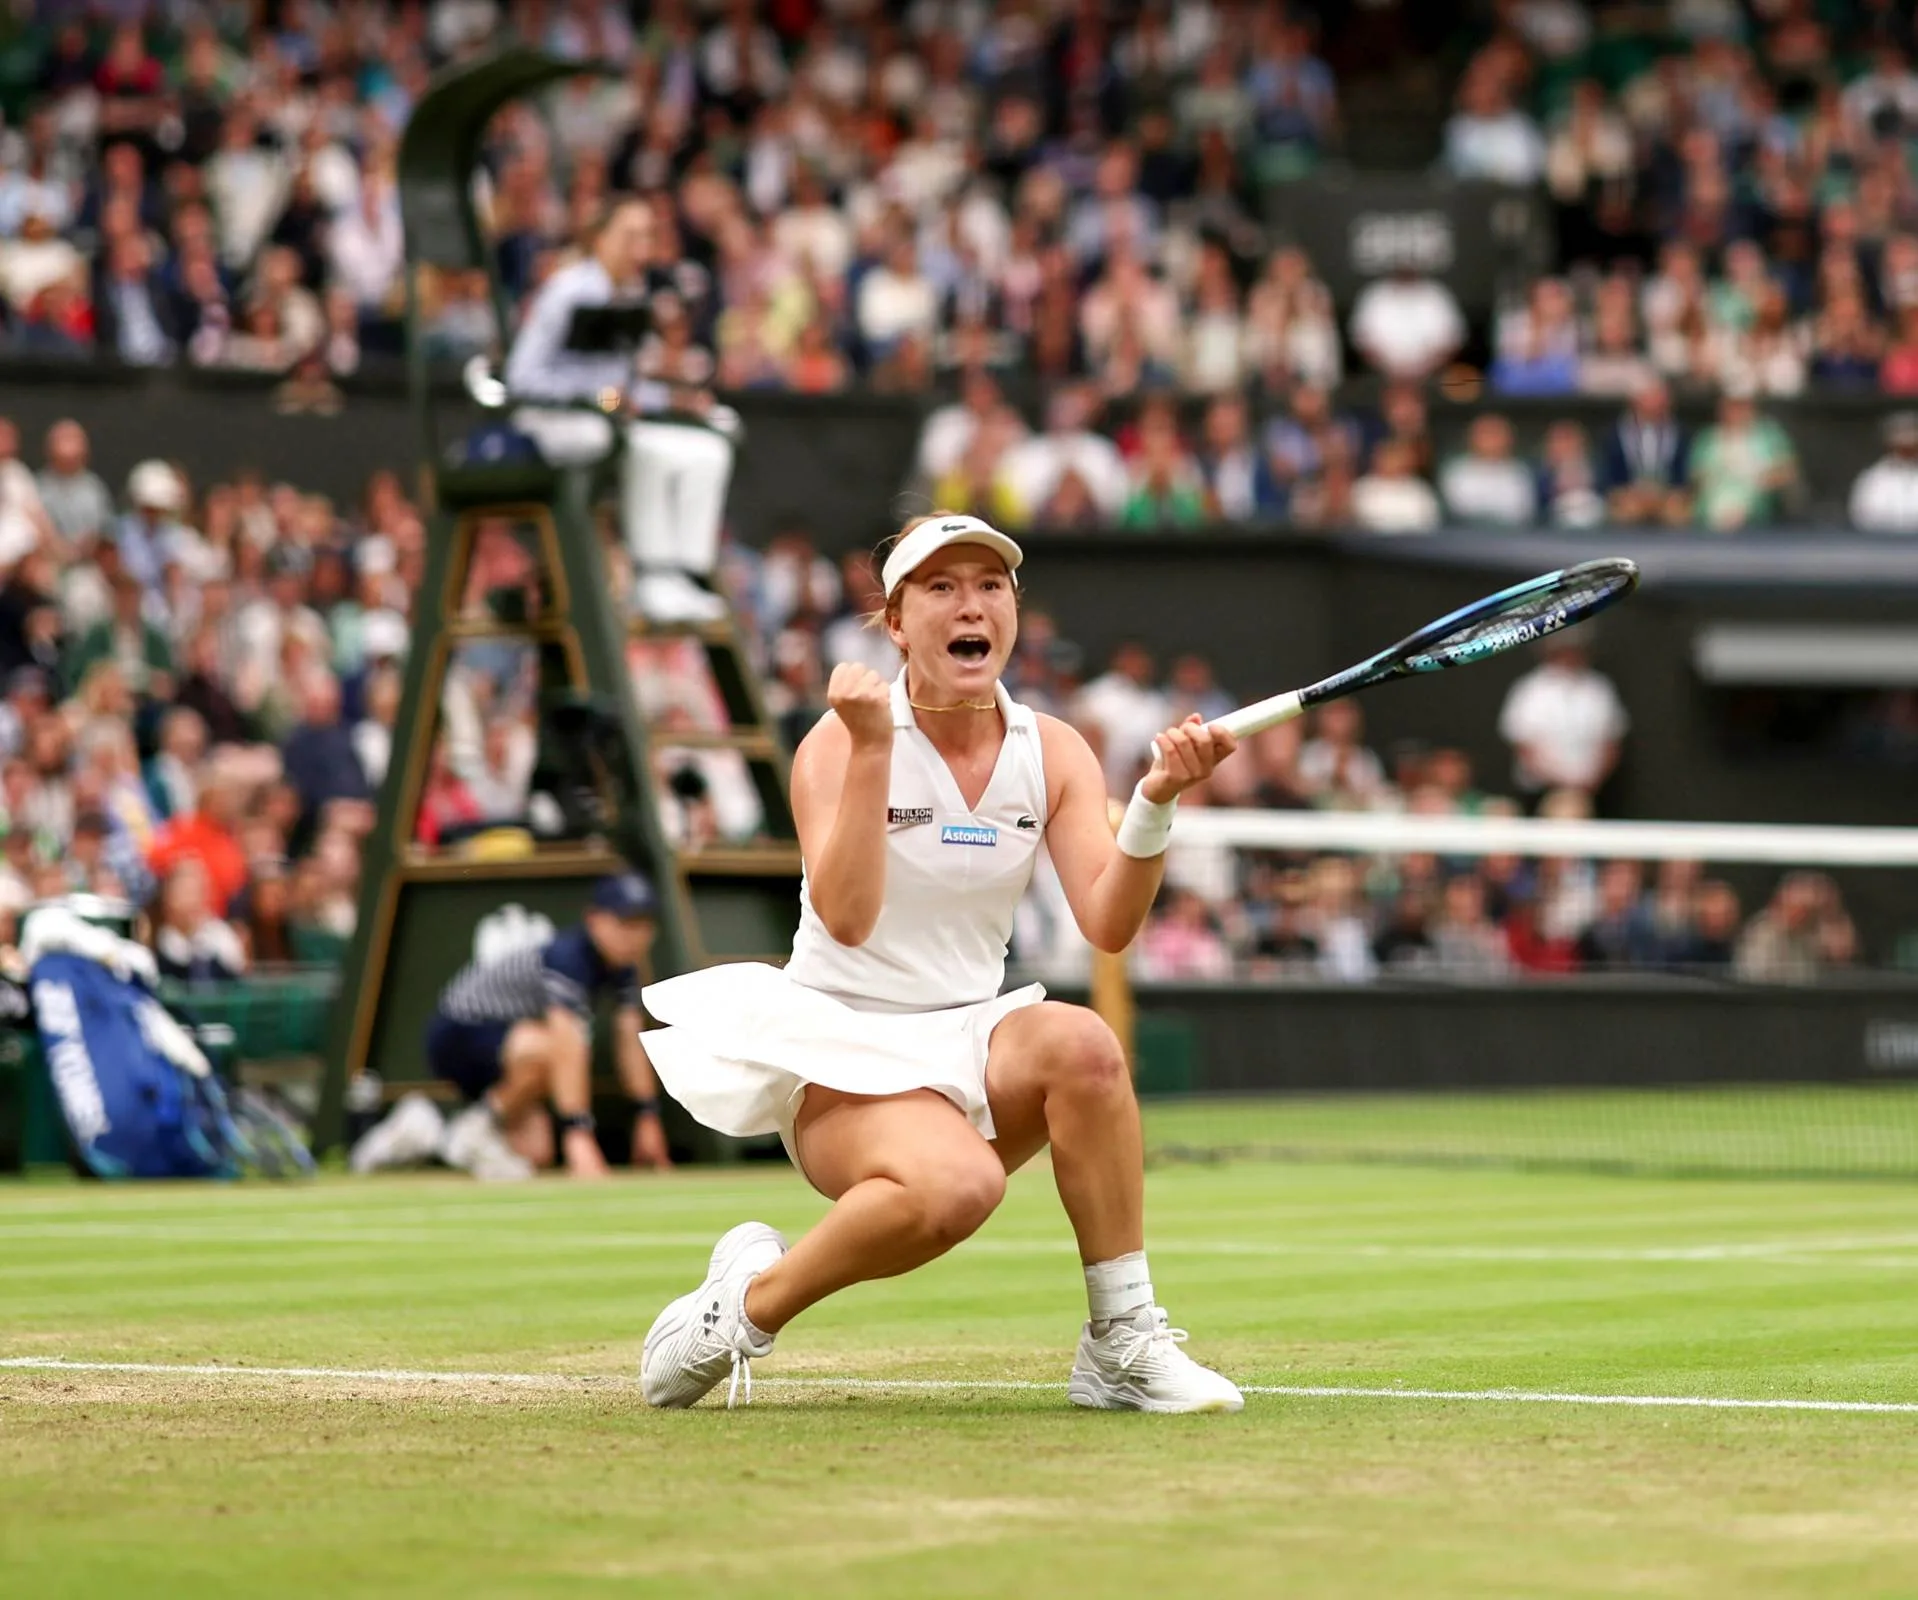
column 513, row 1032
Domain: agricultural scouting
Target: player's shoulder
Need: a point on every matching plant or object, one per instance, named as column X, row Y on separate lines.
column 1063, row 746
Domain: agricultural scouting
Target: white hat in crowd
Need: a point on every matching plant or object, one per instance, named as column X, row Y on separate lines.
column 155, row 484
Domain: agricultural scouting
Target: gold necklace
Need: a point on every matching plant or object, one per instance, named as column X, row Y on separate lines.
column 963, row 705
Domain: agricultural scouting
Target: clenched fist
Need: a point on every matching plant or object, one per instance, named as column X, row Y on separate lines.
column 863, row 701
column 1185, row 755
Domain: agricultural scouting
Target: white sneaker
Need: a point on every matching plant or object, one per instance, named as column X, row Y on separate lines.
column 702, row 1336
column 407, row 1136
column 1138, row 1366
column 674, row 597
column 474, row 1144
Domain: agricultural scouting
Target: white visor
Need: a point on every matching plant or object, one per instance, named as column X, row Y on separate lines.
column 935, row 535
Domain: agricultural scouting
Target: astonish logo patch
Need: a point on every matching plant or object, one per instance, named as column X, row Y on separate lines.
column 956, row 833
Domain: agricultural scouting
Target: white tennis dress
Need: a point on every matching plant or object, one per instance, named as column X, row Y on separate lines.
column 915, row 1005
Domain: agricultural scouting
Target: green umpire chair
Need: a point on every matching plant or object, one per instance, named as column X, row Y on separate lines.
column 426, row 897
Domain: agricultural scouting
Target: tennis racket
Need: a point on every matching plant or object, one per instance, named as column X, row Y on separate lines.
column 1486, row 628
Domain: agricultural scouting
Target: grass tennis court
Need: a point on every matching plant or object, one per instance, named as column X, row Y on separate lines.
column 1822, row 1130
column 539, row 1472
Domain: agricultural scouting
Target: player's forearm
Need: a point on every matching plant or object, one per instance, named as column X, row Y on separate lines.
column 1122, row 896
column 848, row 881
column 572, row 1068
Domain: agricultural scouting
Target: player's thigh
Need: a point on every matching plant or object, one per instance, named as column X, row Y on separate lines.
column 527, row 1047
column 920, row 1140
column 1040, row 1050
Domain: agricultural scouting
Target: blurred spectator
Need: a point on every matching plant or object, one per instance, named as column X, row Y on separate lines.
column 1614, row 362
column 1121, row 711
column 1392, row 498
column 138, row 648
column 321, row 758
column 1295, row 445
column 978, row 481
column 1647, row 465
column 1034, row 468
column 1292, row 335
column 895, row 299
column 1885, row 497
column 190, row 942
column 1564, row 722
column 849, row 637
column 1803, row 933
column 152, row 532
column 373, row 733
column 1337, row 923
column 1182, row 943
column 1489, row 138
column 1191, row 690
column 949, row 429
column 206, row 835
column 1166, row 489
column 23, row 516
column 1742, row 468
column 1229, row 467
column 37, row 259
column 1619, row 936
column 1715, row 926
column 77, row 502
column 1487, row 486
column 172, row 776
column 1407, row 326
column 1538, row 345
column 1335, row 769
column 131, row 323
column 1464, row 941
column 1846, row 344
column 1568, row 493
column 1758, row 351
column 1403, row 416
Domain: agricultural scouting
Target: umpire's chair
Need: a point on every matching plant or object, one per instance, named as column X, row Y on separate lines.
column 556, row 627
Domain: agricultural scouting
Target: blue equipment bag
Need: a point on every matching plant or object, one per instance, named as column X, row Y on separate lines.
column 139, row 1098
column 132, row 1111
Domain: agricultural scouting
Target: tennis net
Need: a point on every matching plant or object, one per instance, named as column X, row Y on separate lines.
column 1669, row 997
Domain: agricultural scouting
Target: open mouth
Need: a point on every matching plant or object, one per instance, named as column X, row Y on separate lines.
column 970, row 647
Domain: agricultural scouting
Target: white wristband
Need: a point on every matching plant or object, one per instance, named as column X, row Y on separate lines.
column 1146, row 825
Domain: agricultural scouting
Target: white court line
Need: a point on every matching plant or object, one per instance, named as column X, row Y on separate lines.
column 564, row 1381
column 1832, row 1250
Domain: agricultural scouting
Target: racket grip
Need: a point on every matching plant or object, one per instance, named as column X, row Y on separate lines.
column 1262, row 714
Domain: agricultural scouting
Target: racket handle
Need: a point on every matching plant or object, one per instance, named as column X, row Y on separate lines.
column 1262, row 714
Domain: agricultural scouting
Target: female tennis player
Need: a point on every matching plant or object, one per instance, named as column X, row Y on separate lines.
column 904, row 1085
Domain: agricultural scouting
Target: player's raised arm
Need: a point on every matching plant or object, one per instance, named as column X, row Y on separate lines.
column 1111, row 883
column 840, row 773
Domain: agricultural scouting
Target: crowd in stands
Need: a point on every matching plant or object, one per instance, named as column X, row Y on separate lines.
column 902, row 196
column 1266, row 915
column 848, row 190
column 199, row 684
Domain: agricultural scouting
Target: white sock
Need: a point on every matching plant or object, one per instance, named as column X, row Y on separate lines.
column 1117, row 1288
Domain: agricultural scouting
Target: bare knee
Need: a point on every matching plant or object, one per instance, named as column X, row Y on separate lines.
column 1081, row 1055
column 950, row 1202
column 528, row 1047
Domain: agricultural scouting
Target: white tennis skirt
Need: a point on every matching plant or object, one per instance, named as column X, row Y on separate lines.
column 741, row 1042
